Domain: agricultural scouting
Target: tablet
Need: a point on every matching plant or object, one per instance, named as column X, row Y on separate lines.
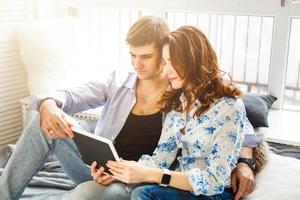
column 94, row 148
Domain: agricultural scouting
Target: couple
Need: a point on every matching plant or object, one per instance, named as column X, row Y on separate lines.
column 197, row 120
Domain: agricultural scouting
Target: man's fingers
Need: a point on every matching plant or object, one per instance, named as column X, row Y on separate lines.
column 93, row 168
column 67, row 123
column 108, row 181
column 59, row 132
column 64, row 126
column 105, row 178
column 241, row 189
column 249, row 187
column 51, row 131
column 234, row 183
column 237, row 196
column 98, row 174
column 68, row 120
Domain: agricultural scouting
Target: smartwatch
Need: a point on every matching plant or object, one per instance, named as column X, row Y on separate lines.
column 165, row 178
column 248, row 161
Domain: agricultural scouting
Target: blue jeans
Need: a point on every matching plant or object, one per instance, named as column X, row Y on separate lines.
column 30, row 154
column 156, row 192
column 94, row 191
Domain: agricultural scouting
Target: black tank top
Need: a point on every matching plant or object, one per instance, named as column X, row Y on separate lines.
column 139, row 135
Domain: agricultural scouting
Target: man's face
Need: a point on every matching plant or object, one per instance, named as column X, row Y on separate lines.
column 146, row 61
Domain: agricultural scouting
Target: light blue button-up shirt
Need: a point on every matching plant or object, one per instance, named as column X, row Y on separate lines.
column 117, row 97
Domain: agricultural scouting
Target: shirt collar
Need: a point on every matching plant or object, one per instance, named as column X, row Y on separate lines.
column 195, row 105
column 131, row 81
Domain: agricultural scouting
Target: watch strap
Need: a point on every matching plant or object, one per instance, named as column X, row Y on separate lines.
column 248, row 161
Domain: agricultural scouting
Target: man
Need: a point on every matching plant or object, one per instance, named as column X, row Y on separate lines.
column 128, row 99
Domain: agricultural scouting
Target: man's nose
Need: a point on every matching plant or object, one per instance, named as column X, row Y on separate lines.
column 137, row 62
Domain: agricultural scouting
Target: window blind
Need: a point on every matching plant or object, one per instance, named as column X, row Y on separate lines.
column 13, row 84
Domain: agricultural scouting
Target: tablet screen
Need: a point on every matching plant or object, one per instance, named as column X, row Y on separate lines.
column 94, row 148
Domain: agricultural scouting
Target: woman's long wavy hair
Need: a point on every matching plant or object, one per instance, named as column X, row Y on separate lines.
column 195, row 61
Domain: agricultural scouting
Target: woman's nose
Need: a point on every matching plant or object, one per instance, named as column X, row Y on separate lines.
column 167, row 69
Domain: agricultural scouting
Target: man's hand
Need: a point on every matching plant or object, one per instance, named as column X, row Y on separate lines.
column 99, row 176
column 242, row 180
column 55, row 122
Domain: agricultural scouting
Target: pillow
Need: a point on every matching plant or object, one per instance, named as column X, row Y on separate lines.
column 257, row 108
column 53, row 53
column 279, row 179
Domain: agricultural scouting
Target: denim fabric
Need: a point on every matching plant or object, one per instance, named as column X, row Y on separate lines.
column 156, row 192
column 93, row 191
column 30, row 154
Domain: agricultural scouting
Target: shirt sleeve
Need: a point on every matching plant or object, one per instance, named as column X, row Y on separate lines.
column 224, row 152
column 166, row 150
column 87, row 96
column 252, row 139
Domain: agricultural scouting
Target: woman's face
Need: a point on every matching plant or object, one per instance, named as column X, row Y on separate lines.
column 174, row 79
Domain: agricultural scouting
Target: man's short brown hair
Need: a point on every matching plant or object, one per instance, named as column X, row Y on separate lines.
column 147, row 30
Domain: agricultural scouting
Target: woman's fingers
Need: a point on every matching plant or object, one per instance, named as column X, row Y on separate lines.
column 116, row 166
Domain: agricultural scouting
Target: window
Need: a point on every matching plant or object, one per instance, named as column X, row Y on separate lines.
column 242, row 42
column 251, row 38
column 292, row 87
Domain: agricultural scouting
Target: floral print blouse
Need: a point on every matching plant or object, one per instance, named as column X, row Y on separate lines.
column 210, row 146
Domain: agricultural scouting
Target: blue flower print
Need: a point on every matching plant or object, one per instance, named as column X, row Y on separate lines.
column 203, row 185
column 240, row 118
column 220, row 171
column 201, row 119
column 189, row 159
column 163, row 165
column 180, row 123
column 198, row 145
column 219, row 188
column 167, row 146
column 210, row 130
column 233, row 136
column 210, row 146
column 215, row 150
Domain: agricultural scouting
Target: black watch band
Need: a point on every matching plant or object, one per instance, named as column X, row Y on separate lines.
column 247, row 161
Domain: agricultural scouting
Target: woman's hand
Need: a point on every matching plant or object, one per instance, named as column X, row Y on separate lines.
column 99, row 176
column 129, row 171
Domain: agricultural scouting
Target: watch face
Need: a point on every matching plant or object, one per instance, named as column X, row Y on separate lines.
column 165, row 180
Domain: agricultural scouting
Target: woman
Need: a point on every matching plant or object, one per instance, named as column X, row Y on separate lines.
column 204, row 122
